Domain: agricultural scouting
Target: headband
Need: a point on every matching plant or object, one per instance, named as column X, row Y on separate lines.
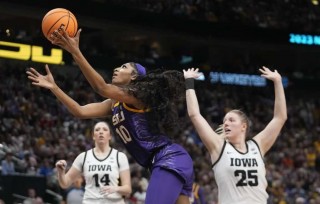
column 140, row 69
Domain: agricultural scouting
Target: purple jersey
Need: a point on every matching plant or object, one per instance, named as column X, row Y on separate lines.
column 151, row 150
column 131, row 126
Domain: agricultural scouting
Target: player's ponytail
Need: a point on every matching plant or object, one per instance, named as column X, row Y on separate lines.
column 219, row 130
column 160, row 91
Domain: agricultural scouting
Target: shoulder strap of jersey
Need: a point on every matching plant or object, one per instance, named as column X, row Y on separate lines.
column 84, row 159
column 222, row 150
column 118, row 159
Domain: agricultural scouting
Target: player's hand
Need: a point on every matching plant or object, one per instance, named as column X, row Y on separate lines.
column 63, row 40
column 106, row 190
column 191, row 73
column 46, row 81
column 61, row 165
column 271, row 75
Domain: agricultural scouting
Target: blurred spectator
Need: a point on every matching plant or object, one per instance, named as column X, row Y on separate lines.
column 317, row 162
column 32, row 197
column 311, row 156
column 300, row 200
column 75, row 194
column 7, row 165
column 30, row 164
column 140, row 195
column 46, row 169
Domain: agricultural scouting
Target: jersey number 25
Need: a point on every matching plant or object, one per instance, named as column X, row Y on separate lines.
column 247, row 178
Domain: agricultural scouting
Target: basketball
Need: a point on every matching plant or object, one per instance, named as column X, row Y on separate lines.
column 57, row 18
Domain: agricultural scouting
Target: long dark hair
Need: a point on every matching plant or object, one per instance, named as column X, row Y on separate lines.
column 160, row 91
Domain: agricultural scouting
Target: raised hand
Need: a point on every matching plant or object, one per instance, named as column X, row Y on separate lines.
column 45, row 81
column 191, row 73
column 61, row 165
column 62, row 39
column 271, row 75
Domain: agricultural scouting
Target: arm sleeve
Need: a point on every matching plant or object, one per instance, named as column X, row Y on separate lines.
column 123, row 162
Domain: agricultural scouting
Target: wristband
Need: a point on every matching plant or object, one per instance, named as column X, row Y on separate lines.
column 189, row 82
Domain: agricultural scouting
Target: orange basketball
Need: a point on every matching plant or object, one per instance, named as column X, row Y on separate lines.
column 57, row 18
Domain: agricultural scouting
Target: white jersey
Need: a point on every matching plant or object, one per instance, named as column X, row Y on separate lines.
column 101, row 172
column 241, row 177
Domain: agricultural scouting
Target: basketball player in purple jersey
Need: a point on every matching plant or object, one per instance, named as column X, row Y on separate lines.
column 142, row 107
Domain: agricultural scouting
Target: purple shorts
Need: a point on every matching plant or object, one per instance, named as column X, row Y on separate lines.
column 176, row 159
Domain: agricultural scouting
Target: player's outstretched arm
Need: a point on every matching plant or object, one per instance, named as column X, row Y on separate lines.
column 93, row 110
column 209, row 137
column 268, row 136
column 71, row 44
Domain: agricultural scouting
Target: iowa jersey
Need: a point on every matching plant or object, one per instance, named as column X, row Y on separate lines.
column 241, row 177
column 101, row 172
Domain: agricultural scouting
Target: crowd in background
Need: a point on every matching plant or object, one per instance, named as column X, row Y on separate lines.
column 283, row 14
column 36, row 130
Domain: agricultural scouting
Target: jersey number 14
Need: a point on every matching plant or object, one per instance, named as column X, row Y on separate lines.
column 104, row 179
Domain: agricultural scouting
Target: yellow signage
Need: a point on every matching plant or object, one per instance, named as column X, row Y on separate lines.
column 30, row 52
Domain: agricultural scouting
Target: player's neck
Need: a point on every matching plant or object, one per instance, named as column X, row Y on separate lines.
column 239, row 145
column 102, row 149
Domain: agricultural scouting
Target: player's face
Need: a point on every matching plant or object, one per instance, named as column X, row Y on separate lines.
column 124, row 74
column 101, row 133
column 233, row 125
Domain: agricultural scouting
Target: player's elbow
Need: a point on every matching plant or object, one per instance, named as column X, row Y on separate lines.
column 128, row 191
column 283, row 117
column 97, row 89
column 80, row 116
column 281, row 120
column 100, row 87
column 64, row 185
column 193, row 116
column 78, row 113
